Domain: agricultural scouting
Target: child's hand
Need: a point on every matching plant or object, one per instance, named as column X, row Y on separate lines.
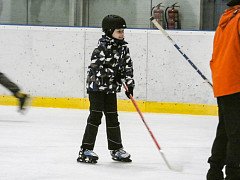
column 130, row 91
column 119, row 78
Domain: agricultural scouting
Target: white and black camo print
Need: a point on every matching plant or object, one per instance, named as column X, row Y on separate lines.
column 110, row 61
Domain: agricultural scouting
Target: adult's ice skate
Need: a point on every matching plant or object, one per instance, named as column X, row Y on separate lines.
column 87, row 156
column 120, row 155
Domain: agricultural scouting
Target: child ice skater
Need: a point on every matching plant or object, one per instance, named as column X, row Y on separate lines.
column 110, row 64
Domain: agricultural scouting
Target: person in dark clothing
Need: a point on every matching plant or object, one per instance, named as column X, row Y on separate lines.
column 110, row 65
column 23, row 98
column 225, row 66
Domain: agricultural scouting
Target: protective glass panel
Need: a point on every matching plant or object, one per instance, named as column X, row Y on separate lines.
column 171, row 14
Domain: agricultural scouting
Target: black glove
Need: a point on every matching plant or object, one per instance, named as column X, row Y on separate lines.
column 130, row 91
column 119, row 78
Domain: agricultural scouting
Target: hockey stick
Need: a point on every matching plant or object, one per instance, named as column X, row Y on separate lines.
column 179, row 50
column 150, row 132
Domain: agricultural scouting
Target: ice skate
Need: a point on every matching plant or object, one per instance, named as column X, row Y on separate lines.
column 23, row 101
column 87, row 156
column 120, row 155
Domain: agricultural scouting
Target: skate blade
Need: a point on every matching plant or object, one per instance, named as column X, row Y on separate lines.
column 87, row 160
column 122, row 160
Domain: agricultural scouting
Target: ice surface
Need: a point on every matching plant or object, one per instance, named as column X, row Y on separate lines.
column 44, row 144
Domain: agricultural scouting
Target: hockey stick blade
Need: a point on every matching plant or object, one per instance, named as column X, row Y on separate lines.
column 175, row 168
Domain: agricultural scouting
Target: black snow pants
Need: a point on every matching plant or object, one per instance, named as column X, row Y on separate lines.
column 7, row 83
column 102, row 103
column 226, row 146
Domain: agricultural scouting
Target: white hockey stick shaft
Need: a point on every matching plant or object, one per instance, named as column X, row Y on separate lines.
column 180, row 51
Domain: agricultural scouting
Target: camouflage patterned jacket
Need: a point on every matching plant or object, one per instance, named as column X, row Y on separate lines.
column 110, row 61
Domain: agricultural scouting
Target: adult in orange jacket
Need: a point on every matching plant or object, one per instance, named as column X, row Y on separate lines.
column 225, row 66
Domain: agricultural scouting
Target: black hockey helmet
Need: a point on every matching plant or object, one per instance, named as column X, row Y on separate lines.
column 233, row 3
column 112, row 22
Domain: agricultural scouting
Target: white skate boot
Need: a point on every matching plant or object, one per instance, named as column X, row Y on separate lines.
column 87, row 156
column 120, row 155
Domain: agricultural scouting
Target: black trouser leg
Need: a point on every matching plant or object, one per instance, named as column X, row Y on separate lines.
column 219, row 147
column 231, row 108
column 226, row 146
column 112, row 123
column 108, row 103
column 7, row 83
column 94, row 120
